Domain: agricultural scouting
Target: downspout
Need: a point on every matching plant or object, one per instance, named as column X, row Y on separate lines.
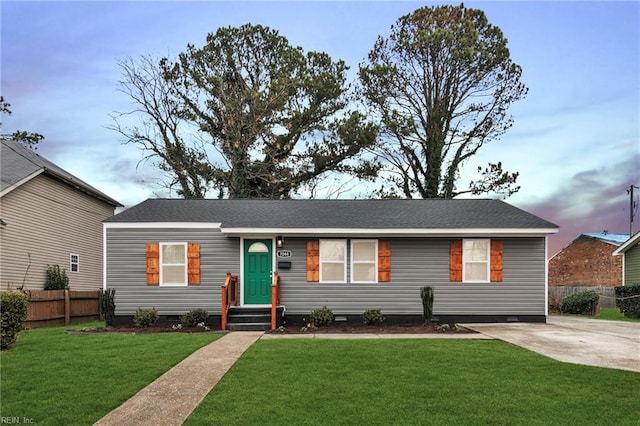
column 546, row 277
column 104, row 256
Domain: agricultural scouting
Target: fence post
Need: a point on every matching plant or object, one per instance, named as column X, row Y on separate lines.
column 67, row 308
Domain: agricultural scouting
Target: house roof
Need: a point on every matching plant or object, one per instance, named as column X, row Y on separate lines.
column 19, row 165
column 631, row 242
column 241, row 216
column 608, row 237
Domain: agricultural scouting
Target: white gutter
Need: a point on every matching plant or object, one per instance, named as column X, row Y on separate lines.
column 293, row 232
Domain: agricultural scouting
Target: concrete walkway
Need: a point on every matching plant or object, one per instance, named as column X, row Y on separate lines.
column 171, row 398
column 600, row 343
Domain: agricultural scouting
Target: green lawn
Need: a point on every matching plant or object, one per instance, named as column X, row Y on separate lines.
column 58, row 379
column 357, row 382
column 615, row 315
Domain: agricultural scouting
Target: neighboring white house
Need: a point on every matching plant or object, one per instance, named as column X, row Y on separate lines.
column 48, row 217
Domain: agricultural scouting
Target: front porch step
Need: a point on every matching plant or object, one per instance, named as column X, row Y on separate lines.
column 241, row 318
column 249, row 326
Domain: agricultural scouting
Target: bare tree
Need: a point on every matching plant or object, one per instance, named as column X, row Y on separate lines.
column 272, row 118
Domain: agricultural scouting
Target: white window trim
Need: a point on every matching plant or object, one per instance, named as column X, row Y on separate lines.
column 374, row 263
column 71, row 263
column 464, row 261
column 162, row 264
column 344, row 262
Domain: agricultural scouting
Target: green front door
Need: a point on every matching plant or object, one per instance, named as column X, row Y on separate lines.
column 258, row 262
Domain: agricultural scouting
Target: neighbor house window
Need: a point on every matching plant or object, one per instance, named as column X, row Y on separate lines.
column 475, row 260
column 75, row 263
column 364, row 261
column 173, row 264
column 333, row 261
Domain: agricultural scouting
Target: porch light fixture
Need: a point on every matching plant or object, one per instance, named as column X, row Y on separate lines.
column 279, row 241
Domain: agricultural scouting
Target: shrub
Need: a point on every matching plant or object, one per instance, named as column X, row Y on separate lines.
column 584, row 303
column 426, row 294
column 372, row 317
column 628, row 300
column 145, row 317
column 108, row 305
column 195, row 317
column 323, row 316
column 56, row 278
column 13, row 313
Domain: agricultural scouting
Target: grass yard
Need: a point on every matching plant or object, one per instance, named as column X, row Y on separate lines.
column 357, row 382
column 614, row 314
column 54, row 378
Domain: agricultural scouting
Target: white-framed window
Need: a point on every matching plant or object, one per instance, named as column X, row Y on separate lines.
column 333, row 261
column 74, row 263
column 173, row 264
column 476, row 260
column 364, row 261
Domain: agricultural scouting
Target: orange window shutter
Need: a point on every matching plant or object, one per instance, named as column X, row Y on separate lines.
column 455, row 260
column 384, row 261
column 496, row 261
column 193, row 263
column 313, row 261
column 153, row 263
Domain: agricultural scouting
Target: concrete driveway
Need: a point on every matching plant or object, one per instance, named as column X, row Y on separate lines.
column 611, row 344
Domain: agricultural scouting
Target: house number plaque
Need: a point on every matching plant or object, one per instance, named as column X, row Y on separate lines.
column 284, row 253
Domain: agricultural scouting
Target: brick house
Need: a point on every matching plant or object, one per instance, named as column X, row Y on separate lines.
column 588, row 261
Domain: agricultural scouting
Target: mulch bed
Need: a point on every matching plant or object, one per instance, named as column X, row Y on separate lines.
column 290, row 329
column 377, row 329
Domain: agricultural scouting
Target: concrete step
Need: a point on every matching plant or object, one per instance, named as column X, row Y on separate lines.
column 249, row 326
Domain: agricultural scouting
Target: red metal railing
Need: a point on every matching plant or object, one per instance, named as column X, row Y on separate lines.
column 229, row 292
column 275, row 300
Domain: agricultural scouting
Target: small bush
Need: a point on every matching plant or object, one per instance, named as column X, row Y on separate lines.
column 145, row 317
column 320, row 317
column 426, row 294
column 195, row 317
column 56, row 278
column 372, row 317
column 583, row 303
column 13, row 313
column 108, row 305
column 628, row 300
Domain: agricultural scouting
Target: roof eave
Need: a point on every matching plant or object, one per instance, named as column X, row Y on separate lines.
column 82, row 187
column 391, row 232
column 21, row 182
column 627, row 245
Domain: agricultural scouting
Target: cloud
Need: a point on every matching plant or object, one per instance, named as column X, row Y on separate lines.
column 591, row 201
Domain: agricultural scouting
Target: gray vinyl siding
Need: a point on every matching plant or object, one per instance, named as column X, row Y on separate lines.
column 417, row 262
column 48, row 221
column 632, row 265
column 126, row 270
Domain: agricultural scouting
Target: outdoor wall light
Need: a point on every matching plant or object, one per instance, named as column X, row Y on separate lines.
column 279, row 241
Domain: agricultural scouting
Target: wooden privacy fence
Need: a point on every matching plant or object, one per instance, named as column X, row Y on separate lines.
column 61, row 307
column 607, row 294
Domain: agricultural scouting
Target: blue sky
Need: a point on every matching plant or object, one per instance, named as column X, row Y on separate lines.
column 575, row 141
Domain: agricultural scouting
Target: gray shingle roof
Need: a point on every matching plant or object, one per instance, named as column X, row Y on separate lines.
column 327, row 214
column 18, row 163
